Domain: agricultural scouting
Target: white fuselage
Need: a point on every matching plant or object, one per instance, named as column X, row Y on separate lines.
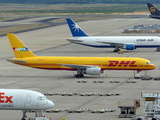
column 113, row 41
column 19, row 99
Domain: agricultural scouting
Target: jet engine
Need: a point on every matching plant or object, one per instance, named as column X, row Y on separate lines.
column 93, row 71
column 130, row 47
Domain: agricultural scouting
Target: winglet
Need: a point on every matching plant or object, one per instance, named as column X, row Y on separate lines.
column 152, row 9
column 19, row 48
column 75, row 29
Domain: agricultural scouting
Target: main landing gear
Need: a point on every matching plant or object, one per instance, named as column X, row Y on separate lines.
column 116, row 49
column 158, row 49
column 24, row 115
column 79, row 73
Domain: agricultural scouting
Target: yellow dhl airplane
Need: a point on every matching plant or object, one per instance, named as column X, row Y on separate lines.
column 83, row 65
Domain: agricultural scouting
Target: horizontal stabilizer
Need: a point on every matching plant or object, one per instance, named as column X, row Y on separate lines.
column 16, row 61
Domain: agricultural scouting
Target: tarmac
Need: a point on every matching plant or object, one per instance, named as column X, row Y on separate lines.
column 52, row 41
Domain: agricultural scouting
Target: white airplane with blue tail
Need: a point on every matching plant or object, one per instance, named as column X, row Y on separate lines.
column 117, row 42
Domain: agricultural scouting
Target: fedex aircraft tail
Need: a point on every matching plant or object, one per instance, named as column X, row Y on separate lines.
column 19, row 48
column 153, row 10
column 75, row 29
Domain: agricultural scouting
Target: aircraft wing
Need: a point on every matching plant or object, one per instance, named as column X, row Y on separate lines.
column 112, row 43
column 78, row 66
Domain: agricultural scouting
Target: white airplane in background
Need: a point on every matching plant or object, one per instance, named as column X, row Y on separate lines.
column 117, row 42
column 25, row 100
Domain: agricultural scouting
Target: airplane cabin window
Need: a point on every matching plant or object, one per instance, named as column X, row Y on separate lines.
column 42, row 98
column 148, row 63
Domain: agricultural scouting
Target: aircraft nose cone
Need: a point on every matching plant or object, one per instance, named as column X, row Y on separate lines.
column 154, row 67
column 50, row 104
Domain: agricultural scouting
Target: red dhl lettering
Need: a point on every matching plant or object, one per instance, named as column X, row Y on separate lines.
column 5, row 99
column 132, row 64
column 122, row 64
column 113, row 63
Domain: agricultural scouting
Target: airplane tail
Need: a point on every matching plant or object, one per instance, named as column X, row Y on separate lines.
column 19, row 48
column 153, row 10
column 75, row 29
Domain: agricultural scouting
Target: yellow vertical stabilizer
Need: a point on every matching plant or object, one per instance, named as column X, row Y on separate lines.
column 19, row 48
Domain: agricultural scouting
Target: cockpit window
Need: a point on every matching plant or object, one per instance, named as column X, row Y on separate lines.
column 42, row 98
column 148, row 62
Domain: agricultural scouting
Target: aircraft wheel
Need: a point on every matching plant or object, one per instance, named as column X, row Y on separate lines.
column 76, row 76
column 79, row 76
column 116, row 50
column 154, row 119
column 139, row 119
column 137, row 75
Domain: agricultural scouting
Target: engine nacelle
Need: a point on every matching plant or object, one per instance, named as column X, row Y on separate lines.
column 130, row 47
column 93, row 71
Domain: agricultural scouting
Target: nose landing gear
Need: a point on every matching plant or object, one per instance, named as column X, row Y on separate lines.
column 137, row 75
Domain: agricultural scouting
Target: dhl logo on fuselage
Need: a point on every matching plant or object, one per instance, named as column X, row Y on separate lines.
column 122, row 64
column 20, row 49
column 152, row 9
column 5, row 99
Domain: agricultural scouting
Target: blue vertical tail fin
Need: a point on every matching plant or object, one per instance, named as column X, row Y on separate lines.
column 75, row 29
column 152, row 9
